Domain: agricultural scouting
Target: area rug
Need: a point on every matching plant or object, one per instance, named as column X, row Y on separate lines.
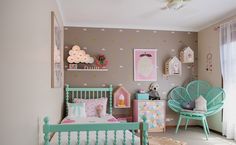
column 164, row 141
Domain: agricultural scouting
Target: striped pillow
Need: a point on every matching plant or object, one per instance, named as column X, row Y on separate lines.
column 76, row 110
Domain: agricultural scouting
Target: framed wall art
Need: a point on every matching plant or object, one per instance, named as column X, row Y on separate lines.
column 56, row 52
column 145, row 64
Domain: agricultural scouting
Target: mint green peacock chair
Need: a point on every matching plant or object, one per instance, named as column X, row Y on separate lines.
column 214, row 97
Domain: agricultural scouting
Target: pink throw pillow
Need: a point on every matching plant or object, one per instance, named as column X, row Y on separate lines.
column 91, row 105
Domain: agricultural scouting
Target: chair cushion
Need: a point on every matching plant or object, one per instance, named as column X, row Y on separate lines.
column 193, row 111
column 200, row 104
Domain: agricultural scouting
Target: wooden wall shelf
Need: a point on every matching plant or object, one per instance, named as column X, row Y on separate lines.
column 121, row 107
column 102, row 69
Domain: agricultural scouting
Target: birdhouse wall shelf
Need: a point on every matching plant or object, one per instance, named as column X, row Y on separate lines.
column 173, row 66
column 187, row 55
column 121, row 98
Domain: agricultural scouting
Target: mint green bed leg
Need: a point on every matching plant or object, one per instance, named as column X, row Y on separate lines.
column 179, row 121
column 46, row 132
column 78, row 138
column 144, row 131
column 132, row 137
column 87, row 142
column 110, row 99
column 114, row 138
column 96, row 138
column 204, row 126
column 69, row 138
column 186, row 124
column 106, row 137
column 145, row 134
column 124, row 137
column 67, row 98
column 59, row 138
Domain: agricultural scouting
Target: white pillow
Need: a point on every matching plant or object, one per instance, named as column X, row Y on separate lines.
column 200, row 104
column 76, row 110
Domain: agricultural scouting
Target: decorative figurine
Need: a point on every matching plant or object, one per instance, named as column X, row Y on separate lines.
column 121, row 102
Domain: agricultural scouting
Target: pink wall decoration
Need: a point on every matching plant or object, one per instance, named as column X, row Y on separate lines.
column 145, row 64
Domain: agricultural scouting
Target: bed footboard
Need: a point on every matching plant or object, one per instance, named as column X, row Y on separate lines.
column 77, row 128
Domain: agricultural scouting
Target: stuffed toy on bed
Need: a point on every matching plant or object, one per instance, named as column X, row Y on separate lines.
column 99, row 109
column 153, row 93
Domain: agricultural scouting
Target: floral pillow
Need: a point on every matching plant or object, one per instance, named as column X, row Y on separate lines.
column 91, row 106
column 76, row 110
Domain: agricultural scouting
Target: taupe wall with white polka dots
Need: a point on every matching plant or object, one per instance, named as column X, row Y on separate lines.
column 118, row 45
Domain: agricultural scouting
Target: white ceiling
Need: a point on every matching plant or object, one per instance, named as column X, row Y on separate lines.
column 145, row 14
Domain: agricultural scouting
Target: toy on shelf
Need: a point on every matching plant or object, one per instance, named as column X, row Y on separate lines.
column 173, row 66
column 142, row 95
column 121, row 98
column 72, row 66
column 121, row 102
column 101, row 61
column 153, row 93
column 187, row 55
column 141, row 91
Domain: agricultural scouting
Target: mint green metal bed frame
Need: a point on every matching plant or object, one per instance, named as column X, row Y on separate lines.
column 93, row 93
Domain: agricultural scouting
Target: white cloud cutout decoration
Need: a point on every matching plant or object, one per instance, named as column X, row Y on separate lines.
column 76, row 55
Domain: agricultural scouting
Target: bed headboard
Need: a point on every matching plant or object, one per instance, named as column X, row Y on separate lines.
column 89, row 93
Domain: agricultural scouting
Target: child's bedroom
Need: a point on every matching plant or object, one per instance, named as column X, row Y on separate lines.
column 128, row 72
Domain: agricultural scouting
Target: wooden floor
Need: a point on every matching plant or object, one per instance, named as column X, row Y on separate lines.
column 195, row 136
